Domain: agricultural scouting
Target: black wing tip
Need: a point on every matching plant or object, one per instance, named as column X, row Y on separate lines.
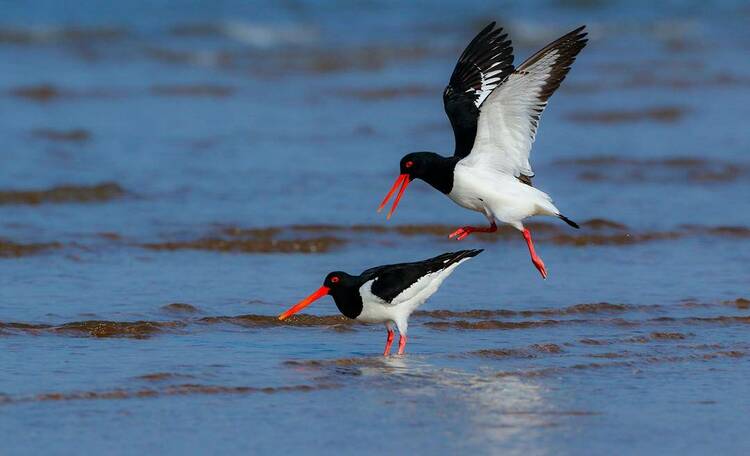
column 489, row 27
column 569, row 221
column 461, row 254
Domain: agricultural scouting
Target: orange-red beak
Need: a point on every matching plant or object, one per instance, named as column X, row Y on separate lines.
column 402, row 180
column 322, row 291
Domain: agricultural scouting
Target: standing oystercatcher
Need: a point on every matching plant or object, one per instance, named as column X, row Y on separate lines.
column 494, row 110
column 386, row 294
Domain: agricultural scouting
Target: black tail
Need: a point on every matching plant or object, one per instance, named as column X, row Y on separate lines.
column 568, row 221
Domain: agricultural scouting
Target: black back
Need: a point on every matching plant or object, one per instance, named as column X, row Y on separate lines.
column 488, row 58
column 393, row 279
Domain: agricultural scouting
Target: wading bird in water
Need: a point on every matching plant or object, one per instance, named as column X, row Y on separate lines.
column 386, row 294
column 494, row 110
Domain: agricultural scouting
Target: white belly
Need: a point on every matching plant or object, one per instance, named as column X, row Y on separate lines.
column 498, row 195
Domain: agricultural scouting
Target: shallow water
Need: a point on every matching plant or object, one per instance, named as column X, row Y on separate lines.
column 175, row 177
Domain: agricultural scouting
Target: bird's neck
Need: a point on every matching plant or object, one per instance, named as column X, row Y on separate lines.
column 440, row 173
column 348, row 300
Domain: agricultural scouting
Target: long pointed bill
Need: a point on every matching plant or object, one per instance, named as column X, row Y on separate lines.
column 322, row 291
column 402, row 180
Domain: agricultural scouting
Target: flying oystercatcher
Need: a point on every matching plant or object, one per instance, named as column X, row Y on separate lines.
column 386, row 294
column 494, row 109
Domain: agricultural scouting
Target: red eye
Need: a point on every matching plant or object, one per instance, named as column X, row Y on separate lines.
column 334, row 279
column 409, row 164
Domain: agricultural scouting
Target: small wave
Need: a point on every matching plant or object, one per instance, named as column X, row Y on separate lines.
column 180, row 308
column 60, row 35
column 77, row 135
column 672, row 169
column 194, row 90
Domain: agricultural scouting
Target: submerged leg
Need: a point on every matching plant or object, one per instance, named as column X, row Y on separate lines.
column 389, row 340
column 401, row 344
column 534, row 257
column 467, row 230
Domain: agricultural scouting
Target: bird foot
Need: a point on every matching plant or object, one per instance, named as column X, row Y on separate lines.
column 540, row 266
column 461, row 233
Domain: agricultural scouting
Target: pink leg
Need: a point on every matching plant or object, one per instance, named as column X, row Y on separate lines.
column 388, row 343
column 401, row 344
column 467, row 230
column 534, row 257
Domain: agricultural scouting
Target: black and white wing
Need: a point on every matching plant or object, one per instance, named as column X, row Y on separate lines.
column 484, row 64
column 510, row 116
column 396, row 283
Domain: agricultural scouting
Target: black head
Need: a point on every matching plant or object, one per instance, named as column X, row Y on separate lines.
column 336, row 280
column 417, row 165
column 432, row 168
column 343, row 288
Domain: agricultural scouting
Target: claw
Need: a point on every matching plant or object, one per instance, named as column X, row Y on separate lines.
column 461, row 233
column 540, row 267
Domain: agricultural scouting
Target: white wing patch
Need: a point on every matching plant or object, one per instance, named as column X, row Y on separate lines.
column 489, row 82
column 509, row 118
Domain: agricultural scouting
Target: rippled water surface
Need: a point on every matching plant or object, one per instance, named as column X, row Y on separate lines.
column 174, row 176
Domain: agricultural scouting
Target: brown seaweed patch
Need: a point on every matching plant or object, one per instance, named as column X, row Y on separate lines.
column 635, row 362
column 265, row 321
column 378, row 361
column 367, row 58
column 601, row 223
column 387, row 93
column 45, row 93
column 311, row 245
column 64, row 194
column 477, row 313
column 107, row 329
column 58, row 35
column 162, row 376
column 504, row 353
column 668, row 336
column 614, row 239
column 589, row 341
column 495, row 324
column 238, row 232
column 74, row 135
column 170, row 390
column 532, row 351
column 719, row 231
column 586, row 308
column 10, row 249
column 180, row 308
column 665, row 114
column 547, row 348
column 40, row 93
column 195, row 90
column 740, row 303
column 23, row 326
column 610, row 355
column 623, row 169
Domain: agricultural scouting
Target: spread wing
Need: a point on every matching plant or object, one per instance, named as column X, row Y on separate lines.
column 510, row 116
column 484, row 64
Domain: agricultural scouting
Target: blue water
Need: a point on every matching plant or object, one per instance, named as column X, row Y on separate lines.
column 211, row 115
